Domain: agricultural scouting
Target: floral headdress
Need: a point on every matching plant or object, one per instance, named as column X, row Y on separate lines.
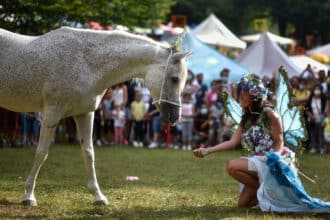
column 254, row 86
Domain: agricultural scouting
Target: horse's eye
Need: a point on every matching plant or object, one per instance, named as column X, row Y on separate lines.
column 175, row 79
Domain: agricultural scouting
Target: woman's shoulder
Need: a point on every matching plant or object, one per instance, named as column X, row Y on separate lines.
column 270, row 116
column 269, row 110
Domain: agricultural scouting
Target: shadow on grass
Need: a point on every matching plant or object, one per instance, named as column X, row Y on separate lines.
column 192, row 212
column 5, row 202
column 16, row 210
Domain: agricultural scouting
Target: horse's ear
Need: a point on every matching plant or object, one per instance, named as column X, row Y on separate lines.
column 177, row 44
column 177, row 41
column 181, row 55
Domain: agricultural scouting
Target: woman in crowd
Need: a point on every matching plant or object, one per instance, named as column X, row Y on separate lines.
column 316, row 113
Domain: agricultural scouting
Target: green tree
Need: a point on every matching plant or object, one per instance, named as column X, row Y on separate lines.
column 304, row 16
column 36, row 17
column 235, row 14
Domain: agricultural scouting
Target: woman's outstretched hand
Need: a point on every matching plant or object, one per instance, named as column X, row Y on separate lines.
column 201, row 152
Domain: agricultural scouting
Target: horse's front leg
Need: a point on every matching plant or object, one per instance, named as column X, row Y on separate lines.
column 85, row 129
column 50, row 118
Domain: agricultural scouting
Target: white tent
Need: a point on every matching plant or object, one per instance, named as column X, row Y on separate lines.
column 213, row 31
column 207, row 60
column 264, row 57
column 325, row 49
column 273, row 37
column 302, row 61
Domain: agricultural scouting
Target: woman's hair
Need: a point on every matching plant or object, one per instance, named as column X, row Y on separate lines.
column 252, row 84
column 255, row 114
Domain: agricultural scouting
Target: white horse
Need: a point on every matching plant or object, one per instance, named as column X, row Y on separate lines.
column 66, row 72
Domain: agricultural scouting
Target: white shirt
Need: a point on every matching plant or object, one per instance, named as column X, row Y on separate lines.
column 187, row 111
column 118, row 96
column 119, row 118
column 107, row 108
column 145, row 95
column 316, row 108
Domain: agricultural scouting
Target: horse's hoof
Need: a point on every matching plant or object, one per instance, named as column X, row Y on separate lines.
column 101, row 202
column 29, row 202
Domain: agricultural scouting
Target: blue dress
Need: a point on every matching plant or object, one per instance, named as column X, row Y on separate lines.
column 280, row 188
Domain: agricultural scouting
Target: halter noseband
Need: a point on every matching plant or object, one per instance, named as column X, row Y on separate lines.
column 160, row 99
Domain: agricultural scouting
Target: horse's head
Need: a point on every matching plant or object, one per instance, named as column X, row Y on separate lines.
column 169, row 85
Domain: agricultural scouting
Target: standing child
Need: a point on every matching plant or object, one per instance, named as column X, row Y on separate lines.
column 188, row 112
column 107, row 107
column 216, row 127
column 31, row 129
column 118, row 115
column 154, row 115
column 201, row 128
column 138, row 113
column 36, row 128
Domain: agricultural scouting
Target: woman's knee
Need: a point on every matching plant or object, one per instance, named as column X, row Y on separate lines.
column 236, row 165
column 231, row 167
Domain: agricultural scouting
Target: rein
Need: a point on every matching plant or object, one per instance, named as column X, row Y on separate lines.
column 160, row 100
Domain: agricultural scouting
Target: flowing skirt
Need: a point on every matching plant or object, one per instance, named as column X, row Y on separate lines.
column 280, row 188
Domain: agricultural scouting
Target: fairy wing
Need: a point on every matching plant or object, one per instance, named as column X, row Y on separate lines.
column 232, row 108
column 294, row 130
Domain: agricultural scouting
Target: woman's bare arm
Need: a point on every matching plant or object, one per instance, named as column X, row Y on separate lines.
column 276, row 130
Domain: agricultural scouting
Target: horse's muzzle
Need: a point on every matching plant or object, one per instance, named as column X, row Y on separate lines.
column 169, row 113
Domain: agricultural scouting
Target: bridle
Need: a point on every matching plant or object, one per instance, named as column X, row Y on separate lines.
column 161, row 99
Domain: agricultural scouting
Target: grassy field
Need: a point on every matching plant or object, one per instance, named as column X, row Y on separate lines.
column 172, row 185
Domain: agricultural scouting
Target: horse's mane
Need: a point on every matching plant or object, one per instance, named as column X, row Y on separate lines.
column 4, row 34
column 114, row 33
column 8, row 34
column 10, row 40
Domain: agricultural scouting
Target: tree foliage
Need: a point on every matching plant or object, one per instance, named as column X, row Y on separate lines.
column 36, row 17
column 233, row 16
column 305, row 16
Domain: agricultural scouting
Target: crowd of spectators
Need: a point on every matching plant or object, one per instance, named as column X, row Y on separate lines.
column 126, row 115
